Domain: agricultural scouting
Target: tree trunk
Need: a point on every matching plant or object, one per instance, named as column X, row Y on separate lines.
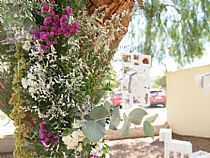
column 112, row 7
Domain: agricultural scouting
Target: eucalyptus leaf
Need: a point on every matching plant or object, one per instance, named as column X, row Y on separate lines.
column 93, row 130
column 148, row 129
column 126, row 126
column 99, row 112
column 152, row 119
column 108, row 106
column 102, row 122
column 136, row 116
column 115, row 118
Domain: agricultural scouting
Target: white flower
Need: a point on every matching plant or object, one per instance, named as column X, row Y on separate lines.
column 76, row 124
column 27, row 45
column 72, row 140
column 24, row 83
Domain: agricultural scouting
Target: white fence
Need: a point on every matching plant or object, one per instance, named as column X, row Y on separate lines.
column 178, row 148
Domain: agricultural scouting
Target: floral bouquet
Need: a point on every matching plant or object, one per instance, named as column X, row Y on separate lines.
column 61, row 76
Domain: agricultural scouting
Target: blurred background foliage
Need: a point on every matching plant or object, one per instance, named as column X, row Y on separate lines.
column 176, row 28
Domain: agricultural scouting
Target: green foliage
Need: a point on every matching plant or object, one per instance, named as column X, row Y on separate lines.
column 126, row 126
column 177, row 28
column 137, row 115
column 99, row 112
column 93, row 130
column 152, row 119
column 160, row 82
column 148, row 129
column 115, row 118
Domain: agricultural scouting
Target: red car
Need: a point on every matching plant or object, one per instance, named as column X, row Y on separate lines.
column 157, row 97
column 117, row 99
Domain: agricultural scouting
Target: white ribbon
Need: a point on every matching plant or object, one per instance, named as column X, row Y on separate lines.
column 203, row 81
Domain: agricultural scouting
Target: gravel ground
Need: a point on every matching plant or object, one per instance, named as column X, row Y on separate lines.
column 149, row 148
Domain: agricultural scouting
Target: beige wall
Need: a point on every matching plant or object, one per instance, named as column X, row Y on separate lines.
column 188, row 108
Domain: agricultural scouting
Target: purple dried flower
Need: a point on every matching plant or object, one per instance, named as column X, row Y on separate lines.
column 42, row 125
column 42, row 135
column 55, row 139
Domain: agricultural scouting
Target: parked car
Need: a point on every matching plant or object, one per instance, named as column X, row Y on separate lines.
column 117, row 98
column 157, row 97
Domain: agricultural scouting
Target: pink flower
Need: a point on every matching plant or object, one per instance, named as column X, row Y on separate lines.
column 63, row 20
column 55, row 139
column 69, row 10
column 64, row 28
column 55, row 42
column 64, row 13
column 35, row 32
column 74, row 28
column 94, row 155
column 43, row 28
column 52, row 1
column 42, row 125
column 51, row 34
column 45, row 9
column 47, row 20
column 67, row 34
column 56, row 18
column 55, row 24
column 52, row 12
column 42, row 135
column 44, row 35
column 42, row 1
column 49, row 134
column 60, row 31
column 45, row 142
column 54, row 29
column 43, row 47
column 48, row 43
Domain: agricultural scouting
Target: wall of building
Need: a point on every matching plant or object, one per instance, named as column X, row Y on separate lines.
column 188, row 107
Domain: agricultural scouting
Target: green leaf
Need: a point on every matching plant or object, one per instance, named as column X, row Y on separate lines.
column 148, row 129
column 136, row 116
column 102, row 122
column 99, row 112
column 115, row 119
column 108, row 106
column 93, row 130
column 152, row 119
column 126, row 126
column 67, row 131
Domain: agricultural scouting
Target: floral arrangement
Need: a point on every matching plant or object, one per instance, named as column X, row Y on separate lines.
column 59, row 84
